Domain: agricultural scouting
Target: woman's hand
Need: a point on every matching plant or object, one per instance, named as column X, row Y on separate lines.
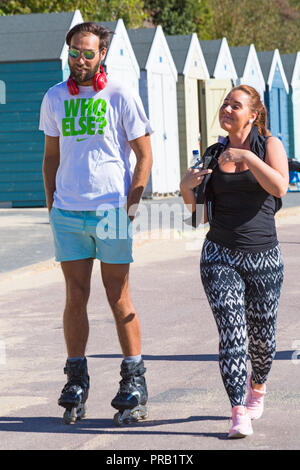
column 192, row 178
column 234, row 155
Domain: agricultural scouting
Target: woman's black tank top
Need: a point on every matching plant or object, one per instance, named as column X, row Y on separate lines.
column 243, row 212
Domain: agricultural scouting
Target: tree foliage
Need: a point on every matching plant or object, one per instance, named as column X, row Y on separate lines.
column 131, row 11
column 268, row 24
column 14, row 7
column 181, row 16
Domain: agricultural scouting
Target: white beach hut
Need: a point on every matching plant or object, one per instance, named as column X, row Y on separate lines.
column 276, row 94
column 191, row 67
column 223, row 77
column 291, row 65
column 120, row 61
column 158, row 93
column 248, row 68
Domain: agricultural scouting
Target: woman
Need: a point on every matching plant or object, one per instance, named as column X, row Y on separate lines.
column 241, row 265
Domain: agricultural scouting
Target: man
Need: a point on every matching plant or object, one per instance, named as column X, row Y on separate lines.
column 91, row 124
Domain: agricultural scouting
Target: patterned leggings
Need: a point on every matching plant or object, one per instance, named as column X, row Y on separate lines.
column 243, row 291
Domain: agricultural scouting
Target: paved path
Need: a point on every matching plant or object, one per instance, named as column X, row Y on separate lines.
column 188, row 407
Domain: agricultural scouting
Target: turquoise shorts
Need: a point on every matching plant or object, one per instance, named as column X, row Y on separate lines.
column 105, row 235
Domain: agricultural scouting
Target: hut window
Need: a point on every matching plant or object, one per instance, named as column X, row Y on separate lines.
column 196, row 63
column 160, row 59
column 121, row 52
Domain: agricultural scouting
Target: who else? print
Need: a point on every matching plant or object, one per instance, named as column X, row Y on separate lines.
column 84, row 117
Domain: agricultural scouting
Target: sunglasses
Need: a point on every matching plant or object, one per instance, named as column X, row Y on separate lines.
column 87, row 54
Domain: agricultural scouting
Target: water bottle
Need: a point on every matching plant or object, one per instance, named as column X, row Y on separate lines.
column 196, row 159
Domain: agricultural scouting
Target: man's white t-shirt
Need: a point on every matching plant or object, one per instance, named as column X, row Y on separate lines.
column 94, row 130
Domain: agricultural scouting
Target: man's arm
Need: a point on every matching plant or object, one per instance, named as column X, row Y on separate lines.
column 50, row 166
column 143, row 152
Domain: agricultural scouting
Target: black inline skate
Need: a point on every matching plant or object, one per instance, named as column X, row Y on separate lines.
column 75, row 392
column 132, row 396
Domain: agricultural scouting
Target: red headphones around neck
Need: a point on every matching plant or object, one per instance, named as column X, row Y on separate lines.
column 99, row 82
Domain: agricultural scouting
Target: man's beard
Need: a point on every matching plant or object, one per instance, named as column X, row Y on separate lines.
column 83, row 75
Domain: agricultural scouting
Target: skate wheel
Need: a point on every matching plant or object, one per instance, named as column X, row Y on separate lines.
column 144, row 414
column 81, row 412
column 140, row 414
column 135, row 416
column 70, row 416
column 118, row 421
column 130, row 416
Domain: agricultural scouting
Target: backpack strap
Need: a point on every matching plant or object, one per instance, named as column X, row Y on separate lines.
column 210, row 161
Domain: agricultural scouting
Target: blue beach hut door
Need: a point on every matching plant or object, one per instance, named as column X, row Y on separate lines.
column 279, row 110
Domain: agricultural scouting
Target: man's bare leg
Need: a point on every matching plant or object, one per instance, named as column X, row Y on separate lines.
column 76, row 329
column 76, row 326
column 132, row 396
column 116, row 282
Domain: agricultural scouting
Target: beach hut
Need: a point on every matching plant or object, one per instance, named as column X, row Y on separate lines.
column 248, row 68
column 291, row 65
column 191, row 67
column 276, row 94
column 223, row 77
column 120, row 62
column 218, row 59
column 33, row 57
column 158, row 93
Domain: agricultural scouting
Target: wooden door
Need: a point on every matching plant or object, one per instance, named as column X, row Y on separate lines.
column 274, row 112
column 192, row 117
column 279, row 115
column 284, row 118
column 296, row 109
column 170, row 120
column 156, row 115
column 212, row 94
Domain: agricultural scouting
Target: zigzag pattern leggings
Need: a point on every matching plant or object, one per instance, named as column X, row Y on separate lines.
column 243, row 291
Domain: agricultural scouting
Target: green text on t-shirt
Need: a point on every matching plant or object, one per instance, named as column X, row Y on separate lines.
column 90, row 116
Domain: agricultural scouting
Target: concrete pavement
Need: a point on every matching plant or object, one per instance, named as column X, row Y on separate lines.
column 188, row 407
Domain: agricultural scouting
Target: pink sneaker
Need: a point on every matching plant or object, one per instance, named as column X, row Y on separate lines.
column 255, row 401
column 241, row 423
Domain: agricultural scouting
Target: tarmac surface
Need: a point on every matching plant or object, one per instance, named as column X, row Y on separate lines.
column 188, row 406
